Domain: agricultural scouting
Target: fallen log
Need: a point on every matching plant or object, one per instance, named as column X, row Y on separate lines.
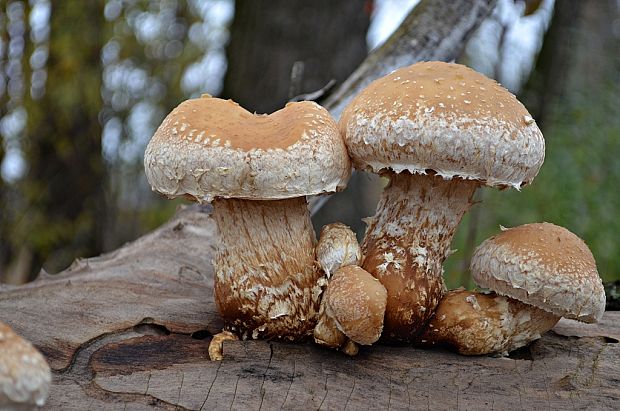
column 131, row 329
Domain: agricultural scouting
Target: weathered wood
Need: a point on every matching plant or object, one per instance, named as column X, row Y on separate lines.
column 130, row 330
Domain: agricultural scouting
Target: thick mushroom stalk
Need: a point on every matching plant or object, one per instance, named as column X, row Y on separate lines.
column 473, row 323
column 407, row 241
column 257, row 170
column 266, row 281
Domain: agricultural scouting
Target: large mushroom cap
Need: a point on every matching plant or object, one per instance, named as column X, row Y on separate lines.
column 209, row 147
column 25, row 376
column 543, row 265
column 446, row 118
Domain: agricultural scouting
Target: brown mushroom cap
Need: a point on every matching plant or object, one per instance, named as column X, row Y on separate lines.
column 543, row 265
column 209, row 147
column 447, row 118
column 25, row 376
column 356, row 301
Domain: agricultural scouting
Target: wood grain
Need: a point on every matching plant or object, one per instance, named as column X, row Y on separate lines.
column 131, row 330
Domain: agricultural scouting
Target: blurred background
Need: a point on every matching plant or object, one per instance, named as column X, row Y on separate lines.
column 83, row 86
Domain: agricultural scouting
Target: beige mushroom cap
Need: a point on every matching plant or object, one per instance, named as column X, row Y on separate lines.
column 446, row 118
column 209, row 147
column 543, row 265
column 356, row 301
column 25, row 376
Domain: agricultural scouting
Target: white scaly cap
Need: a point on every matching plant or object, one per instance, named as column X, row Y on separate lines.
column 543, row 265
column 445, row 118
column 212, row 148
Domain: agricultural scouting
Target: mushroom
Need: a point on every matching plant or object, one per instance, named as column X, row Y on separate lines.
column 542, row 271
column 337, row 247
column 356, row 301
column 543, row 265
column 216, row 346
column 25, row 376
column 437, row 131
column 256, row 170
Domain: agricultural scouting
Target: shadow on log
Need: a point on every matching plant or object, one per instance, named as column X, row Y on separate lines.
column 132, row 328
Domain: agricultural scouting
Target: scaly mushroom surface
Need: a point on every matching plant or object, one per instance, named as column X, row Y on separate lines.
column 437, row 131
column 25, row 377
column 474, row 323
column 542, row 271
column 337, row 247
column 543, row 265
column 257, row 170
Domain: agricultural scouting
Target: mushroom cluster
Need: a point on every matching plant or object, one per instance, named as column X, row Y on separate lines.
column 437, row 131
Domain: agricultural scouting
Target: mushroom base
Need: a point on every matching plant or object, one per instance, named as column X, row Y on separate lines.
column 266, row 280
column 406, row 243
column 473, row 323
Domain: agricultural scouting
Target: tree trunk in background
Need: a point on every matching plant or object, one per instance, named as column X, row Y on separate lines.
column 555, row 57
column 266, row 39
column 62, row 145
column 329, row 38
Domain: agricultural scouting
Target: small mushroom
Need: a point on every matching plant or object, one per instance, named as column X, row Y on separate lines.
column 25, row 377
column 216, row 346
column 337, row 247
column 543, row 265
column 542, row 271
column 437, row 131
column 257, row 170
column 356, row 301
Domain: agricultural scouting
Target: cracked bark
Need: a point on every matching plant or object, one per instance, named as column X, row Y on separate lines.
column 131, row 329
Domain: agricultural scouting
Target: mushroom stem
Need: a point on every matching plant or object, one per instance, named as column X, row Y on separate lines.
column 265, row 275
column 476, row 324
column 407, row 241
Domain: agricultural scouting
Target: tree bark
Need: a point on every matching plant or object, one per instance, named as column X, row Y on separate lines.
column 320, row 40
column 131, row 329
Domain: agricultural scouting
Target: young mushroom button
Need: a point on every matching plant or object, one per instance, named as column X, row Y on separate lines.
column 356, row 301
column 437, row 131
column 337, row 247
column 257, row 170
